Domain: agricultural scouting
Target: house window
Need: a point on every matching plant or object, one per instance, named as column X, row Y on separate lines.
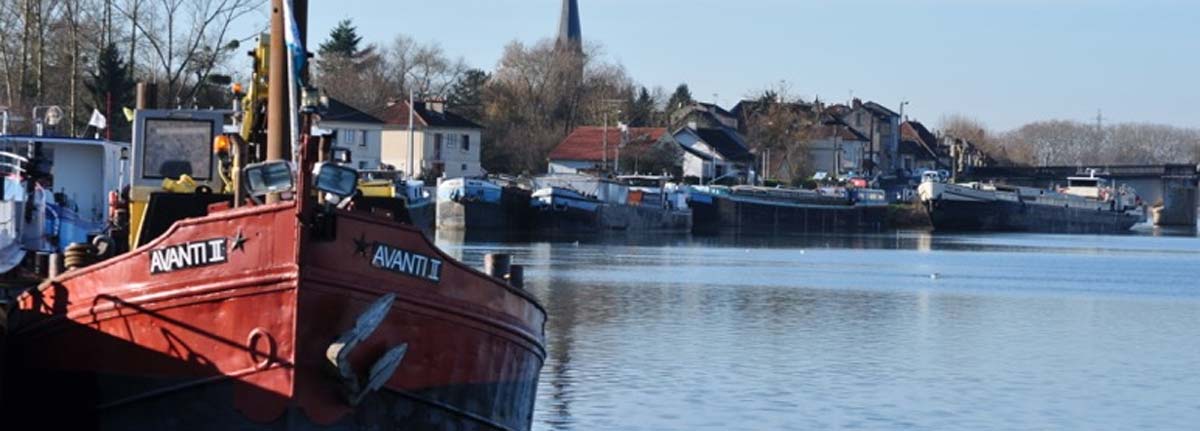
column 464, row 167
column 466, row 143
column 362, row 164
column 452, row 141
column 437, row 146
column 347, row 137
column 362, row 142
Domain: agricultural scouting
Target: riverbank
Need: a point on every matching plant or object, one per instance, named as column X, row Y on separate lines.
column 908, row 216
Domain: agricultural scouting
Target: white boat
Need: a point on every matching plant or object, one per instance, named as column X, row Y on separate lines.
column 56, row 192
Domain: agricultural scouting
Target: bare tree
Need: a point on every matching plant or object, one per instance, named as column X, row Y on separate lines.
column 1073, row 143
column 187, row 39
column 779, row 127
column 538, row 93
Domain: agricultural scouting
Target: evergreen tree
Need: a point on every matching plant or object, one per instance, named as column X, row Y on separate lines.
column 681, row 97
column 641, row 109
column 466, row 96
column 112, row 81
column 343, row 41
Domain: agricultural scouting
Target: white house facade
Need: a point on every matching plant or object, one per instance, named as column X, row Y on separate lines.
column 713, row 154
column 443, row 144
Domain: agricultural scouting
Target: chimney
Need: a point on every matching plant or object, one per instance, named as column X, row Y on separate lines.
column 436, row 105
column 857, row 103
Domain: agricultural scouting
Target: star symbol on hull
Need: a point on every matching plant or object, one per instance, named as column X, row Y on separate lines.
column 239, row 241
column 361, row 245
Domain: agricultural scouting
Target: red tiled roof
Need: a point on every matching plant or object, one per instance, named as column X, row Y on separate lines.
column 397, row 114
column 587, row 143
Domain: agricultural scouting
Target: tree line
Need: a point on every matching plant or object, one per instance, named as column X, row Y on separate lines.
column 537, row 93
column 86, row 54
column 533, row 97
column 1076, row 143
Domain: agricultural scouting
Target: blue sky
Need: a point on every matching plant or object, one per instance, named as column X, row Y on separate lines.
column 1004, row 62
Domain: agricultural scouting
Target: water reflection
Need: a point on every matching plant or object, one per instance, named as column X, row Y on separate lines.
column 890, row 331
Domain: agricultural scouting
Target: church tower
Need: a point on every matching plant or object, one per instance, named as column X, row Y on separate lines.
column 570, row 36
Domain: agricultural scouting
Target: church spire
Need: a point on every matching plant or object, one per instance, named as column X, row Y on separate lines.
column 569, row 33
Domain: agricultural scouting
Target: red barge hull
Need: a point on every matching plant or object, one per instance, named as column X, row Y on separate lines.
column 227, row 322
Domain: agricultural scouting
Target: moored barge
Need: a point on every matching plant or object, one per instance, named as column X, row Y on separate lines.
column 1086, row 205
column 783, row 210
column 581, row 204
column 483, row 205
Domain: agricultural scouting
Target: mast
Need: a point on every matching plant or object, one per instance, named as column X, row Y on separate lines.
column 277, row 92
column 412, row 135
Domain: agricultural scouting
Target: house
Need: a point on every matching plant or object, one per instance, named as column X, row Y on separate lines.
column 714, row 153
column 638, row 149
column 354, row 130
column 443, row 143
column 881, row 126
column 964, row 155
column 837, row 149
column 919, row 150
column 706, row 115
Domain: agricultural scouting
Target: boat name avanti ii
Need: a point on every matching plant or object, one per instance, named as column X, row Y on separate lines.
column 406, row 262
column 188, row 255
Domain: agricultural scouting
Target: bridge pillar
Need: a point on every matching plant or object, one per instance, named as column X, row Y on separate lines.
column 1180, row 198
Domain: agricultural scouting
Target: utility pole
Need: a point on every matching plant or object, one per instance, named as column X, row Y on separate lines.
column 604, row 139
column 624, row 131
column 605, row 105
column 412, row 135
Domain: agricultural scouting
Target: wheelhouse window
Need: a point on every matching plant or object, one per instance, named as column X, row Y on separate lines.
column 177, row 147
column 1082, row 182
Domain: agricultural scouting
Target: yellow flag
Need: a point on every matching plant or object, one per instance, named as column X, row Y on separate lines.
column 128, row 114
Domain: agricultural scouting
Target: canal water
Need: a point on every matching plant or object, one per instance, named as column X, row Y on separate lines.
column 894, row 331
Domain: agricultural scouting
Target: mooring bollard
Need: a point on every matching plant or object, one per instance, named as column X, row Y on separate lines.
column 516, row 276
column 56, row 264
column 497, row 264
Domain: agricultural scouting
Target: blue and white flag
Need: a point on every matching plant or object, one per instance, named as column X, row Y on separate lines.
column 292, row 38
column 298, row 56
